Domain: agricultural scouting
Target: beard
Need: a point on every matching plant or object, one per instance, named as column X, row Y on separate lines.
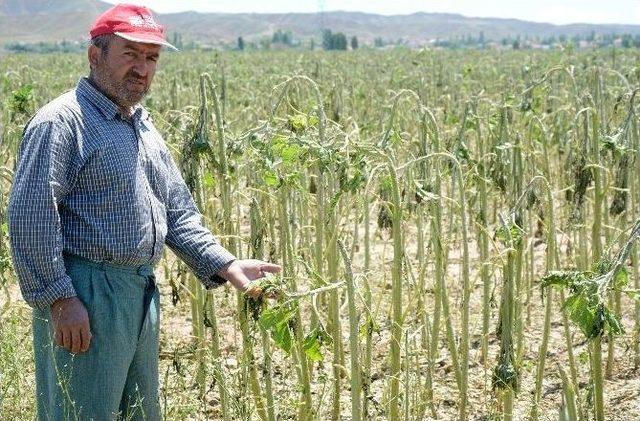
column 118, row 90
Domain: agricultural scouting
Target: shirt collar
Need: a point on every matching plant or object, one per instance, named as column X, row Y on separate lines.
column 140, row 113
column 107, row 107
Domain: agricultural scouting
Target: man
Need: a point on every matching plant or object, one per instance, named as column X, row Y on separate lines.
column 95, row 197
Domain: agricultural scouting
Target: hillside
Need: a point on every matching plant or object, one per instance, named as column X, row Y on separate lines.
column 49, row 7
column 47, row 20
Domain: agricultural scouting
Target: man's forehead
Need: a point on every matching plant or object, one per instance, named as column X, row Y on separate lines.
column 139, row 46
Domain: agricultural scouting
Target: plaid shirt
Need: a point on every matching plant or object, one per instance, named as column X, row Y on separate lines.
column 95, row 185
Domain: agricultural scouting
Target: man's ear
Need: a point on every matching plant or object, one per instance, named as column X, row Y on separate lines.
column 93, row 53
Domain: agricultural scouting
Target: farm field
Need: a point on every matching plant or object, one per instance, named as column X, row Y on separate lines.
column 457, row 230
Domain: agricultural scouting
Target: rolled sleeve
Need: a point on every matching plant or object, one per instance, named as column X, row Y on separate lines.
column 188, row 237
column 44, row 172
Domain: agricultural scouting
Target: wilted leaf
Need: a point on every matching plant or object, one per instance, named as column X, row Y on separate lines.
column 513, row 234
column 313, row 342
column 613, row 323
column 276, row 320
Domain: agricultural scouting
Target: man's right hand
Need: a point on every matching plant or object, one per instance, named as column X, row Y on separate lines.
column 71, row 324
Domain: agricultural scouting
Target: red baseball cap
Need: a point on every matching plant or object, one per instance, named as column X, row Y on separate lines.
column 131, row 22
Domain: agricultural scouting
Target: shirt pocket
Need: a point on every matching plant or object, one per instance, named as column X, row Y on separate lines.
column 112, row 167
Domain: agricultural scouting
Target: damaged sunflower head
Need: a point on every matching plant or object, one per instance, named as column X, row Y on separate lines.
column 505, row 375
column 259, row 291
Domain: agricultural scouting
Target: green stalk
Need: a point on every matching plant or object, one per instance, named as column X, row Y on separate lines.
column 635, row 261
column 552, row 259
column 569, row 396
column 483, row 242
column 505, row 374
column 335, row 331
column 192, row 170
column 425, row 397
column 354, row 337
column 441, row 297
column 302, row 366
column 231, row 244
column 636, row 329
column 556, row 263
column 223, row 170
column 256, row 242
column 595, row 348
column 519, row 254
column 422, row 265
column 368, row 350
column 218, row 374
column 462, row 367
column 407, row 376
column 367, row 235
column 197, row 323
column 396, row 293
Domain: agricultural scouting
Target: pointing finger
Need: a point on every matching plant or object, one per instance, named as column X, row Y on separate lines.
column 270, row 267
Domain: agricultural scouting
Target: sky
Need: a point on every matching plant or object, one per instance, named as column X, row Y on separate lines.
column 552, row 11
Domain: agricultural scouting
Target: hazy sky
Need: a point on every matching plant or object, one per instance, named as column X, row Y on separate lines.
column 553, row 11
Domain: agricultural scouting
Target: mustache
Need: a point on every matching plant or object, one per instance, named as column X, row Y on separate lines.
column 131, row 74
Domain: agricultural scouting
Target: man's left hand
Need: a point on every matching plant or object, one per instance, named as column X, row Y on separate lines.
column 240, row 273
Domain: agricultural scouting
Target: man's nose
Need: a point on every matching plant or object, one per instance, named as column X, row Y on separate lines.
column 141, row 67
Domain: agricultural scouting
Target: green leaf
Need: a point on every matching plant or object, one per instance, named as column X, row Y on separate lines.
column 395, row 138
column 313, row 343
column 462, row 152
column 571, row 303
column 298, row 123
column 290, row 153
column 386, row 185
column 21, row 98
column 270, row 178
column 614, row 326
column 589, row 319
column 512, row 233
column 283, row 148
column 621, row 279
column 282, row 338
column 208, row 180
column 276, row 321
column 451, row 119
column 562, row 278
column 556, row 278
column 368, row 327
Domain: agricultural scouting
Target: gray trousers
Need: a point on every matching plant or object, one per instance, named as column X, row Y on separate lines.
column 117, row 378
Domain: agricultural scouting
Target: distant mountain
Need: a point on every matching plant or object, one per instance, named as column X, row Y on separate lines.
column 55, row 20
column 416, row 28
column 50, row 7
column 47, row 20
